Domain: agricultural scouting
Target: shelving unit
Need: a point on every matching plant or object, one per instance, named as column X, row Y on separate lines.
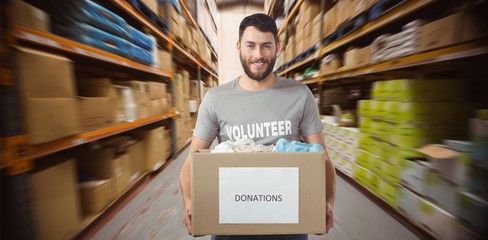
column 290, row 16
column 47, row 40
column 44, row 149
column 461, row 60
column 19, row 158
column 458, row 52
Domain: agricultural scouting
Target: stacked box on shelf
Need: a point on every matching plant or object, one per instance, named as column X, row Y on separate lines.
column 341, row 143
column 124, row 108
column 48, row 97
column 140, row 94
column 60, row 176
column 440, row 191
column 391, row 46
column 181, row 88
column 30, row 16
column 474, row 197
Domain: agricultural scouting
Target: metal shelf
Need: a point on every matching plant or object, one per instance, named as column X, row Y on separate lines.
column 125, row 6
column 44, row 149
column 140, row 18
column 405, row 9
column 460, row 51
column 49, row 40
column 271, row 8
column 290, row 16
column 303, row 62
column 185, row 9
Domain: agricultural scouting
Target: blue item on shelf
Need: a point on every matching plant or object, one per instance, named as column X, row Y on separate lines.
column 94, row 37
column 149, row 14
column 102, row 18
column 140, row 55
column 282, row 145
column 140, row 39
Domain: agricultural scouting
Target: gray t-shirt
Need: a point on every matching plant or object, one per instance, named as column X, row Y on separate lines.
column 286, row 110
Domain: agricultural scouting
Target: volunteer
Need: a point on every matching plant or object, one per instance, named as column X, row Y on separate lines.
column 252, row 105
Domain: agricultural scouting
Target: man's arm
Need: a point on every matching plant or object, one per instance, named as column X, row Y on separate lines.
column 330, row 176
column 196, row 144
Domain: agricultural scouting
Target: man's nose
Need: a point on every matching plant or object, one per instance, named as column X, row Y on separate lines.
column 258, row 52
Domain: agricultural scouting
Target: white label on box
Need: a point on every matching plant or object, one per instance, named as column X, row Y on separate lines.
column 258, row 195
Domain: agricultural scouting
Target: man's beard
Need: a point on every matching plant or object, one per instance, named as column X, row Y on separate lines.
column 258, row 76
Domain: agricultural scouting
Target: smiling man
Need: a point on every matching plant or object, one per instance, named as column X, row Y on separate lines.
column 258, row 106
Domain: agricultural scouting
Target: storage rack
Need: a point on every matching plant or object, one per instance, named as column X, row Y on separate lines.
column 18, row 156
column 466, row 58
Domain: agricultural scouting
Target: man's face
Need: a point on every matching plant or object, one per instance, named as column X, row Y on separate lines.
column 257, row 51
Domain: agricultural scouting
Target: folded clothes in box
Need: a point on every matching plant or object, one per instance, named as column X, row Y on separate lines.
column 140, row 55
column 95, row 37
column 140, row 39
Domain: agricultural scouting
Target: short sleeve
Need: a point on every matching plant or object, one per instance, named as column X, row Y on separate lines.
column 207, row 126
column 310, row 123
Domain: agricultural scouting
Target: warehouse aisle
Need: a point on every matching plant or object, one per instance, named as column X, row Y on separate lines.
column 157, row 213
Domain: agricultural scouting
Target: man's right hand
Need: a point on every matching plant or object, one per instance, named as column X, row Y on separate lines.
column 188, row 217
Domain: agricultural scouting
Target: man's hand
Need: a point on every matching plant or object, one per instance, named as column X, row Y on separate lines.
column 329, row 215
column 188, row 217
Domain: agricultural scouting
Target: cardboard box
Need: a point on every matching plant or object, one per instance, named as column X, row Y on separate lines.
column 96, row 87
column 442, row 32
column 30, row 16
column 137, row 158
column 151, row 4
column 165, row 61
column 194, row 90
column 95, row 195
column 330, row 21
column 414, row 176
column 363, row 57
column 155, row 107
column 156, row 144
column 104, row 164
column 450, row 164
column 441, row 224
column 357, row 57
column 474, row 210
column 478, row 129
column 37, row 79
column 444, row 193
column 55, row 198
column 48, row 119
column 408, row 204
column 156, row 90
column 307, row 213
column 96, row 112
column 126, row 109
column 388, row 192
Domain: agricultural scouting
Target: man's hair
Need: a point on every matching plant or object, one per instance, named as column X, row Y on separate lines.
column 262, row 22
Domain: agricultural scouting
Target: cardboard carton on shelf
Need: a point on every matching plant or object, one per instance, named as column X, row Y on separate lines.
column 96, row 112
column 36, row 75
column 224, row 205
column 30, row 16
column 55, row 197
column 48, row 119
column 95, row 195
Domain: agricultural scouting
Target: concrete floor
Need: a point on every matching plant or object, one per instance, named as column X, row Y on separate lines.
column 156, row 212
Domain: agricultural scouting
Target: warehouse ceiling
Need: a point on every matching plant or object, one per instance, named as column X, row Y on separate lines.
column 222, row 4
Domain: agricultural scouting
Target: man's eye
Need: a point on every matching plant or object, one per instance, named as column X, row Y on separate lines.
column 267, row 46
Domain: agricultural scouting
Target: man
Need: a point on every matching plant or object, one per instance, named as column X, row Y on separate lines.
column 258, row 99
